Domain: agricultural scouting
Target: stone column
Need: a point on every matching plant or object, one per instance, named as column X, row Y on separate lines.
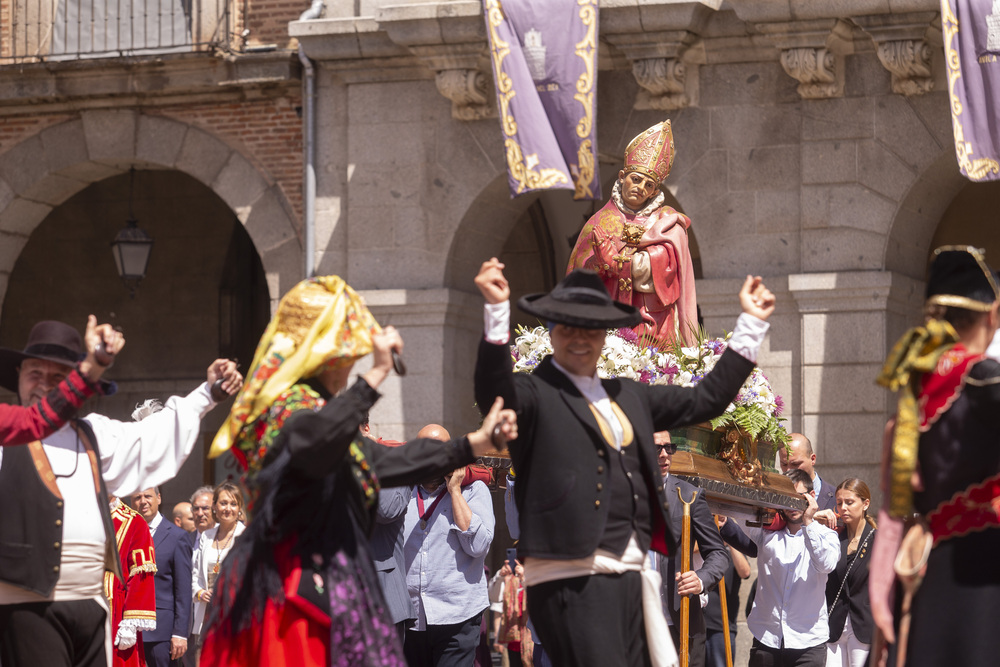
column 440, row 330
column 849, row 320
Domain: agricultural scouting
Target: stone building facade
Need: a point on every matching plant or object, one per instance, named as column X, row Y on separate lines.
column 814, row 147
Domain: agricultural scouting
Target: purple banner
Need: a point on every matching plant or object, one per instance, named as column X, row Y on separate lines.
column 544, row 57
column 972, row 52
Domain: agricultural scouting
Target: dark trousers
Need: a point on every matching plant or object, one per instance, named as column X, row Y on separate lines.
column 53, row 634
column 715, row 647
column 158, row 654
column 765, row 656
column 696, row 644
column 591, row 621
column 444, row 645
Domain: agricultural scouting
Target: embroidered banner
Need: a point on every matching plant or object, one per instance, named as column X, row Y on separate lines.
column 972, row 52
column 544, row 57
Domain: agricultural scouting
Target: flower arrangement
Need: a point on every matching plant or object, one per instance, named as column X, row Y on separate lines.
column 756, row 409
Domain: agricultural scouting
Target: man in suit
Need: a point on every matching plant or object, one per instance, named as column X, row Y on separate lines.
column 173, row 583
column 715, row 556
column 589, row 490
column 803, row 458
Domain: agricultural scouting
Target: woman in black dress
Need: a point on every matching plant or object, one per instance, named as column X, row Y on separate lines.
column 847, row 586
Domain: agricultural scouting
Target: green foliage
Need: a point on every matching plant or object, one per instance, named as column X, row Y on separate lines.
column 755, row 423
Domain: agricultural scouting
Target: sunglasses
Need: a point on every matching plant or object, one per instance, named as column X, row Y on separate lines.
column 670, row 447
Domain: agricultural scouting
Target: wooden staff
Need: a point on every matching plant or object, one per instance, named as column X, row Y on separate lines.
column 685, row 566
column 725, row 613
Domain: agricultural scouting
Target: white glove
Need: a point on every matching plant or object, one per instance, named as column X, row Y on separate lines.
column 126, row 637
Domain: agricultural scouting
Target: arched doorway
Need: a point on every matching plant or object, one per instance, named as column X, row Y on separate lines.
column 971, row 219
column 204, row 296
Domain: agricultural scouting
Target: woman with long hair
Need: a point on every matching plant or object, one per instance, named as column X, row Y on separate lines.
column 847, row 603
column 213, row 546
column 299, row 587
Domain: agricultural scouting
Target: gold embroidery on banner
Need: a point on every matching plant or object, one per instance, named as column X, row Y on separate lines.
column 521, row 167
column 585, row 173
column 586, row 50
column 979, row 168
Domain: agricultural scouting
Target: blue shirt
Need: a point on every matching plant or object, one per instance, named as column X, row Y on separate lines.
column 445, row 571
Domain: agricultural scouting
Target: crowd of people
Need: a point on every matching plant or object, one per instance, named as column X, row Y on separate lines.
column 337, row 548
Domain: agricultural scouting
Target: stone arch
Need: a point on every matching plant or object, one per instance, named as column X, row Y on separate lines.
column 46, row 169
column 911, row 233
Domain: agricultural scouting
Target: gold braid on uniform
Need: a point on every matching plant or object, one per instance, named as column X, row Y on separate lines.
column 917, row 352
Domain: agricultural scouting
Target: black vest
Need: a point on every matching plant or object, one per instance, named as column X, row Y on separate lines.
column 31, row 524
column 628, row 495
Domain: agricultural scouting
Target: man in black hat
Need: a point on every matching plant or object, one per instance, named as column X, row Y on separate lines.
column 56, row 536
column 21, row 424
column 942, row 462
column 589, row 486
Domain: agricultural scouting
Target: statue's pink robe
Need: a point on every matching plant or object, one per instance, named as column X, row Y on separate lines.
column 670, row 311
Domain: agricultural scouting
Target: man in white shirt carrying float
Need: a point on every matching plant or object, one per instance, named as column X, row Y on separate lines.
column 789, row 616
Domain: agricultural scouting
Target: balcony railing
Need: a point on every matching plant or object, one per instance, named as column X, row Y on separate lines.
column 48, row 30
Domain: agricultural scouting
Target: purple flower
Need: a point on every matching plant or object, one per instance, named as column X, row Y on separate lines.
column 779, row 405
column 627, row 334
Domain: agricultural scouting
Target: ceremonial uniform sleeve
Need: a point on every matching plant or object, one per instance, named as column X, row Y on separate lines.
column 476, row 541
column 140, row 560
column 147, row 453
column 20, row 425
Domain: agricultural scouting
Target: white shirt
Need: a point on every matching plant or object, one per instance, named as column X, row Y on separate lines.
column 134, row 456
column 792, row 569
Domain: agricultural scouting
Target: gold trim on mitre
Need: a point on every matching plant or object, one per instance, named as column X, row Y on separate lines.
column 652, row 152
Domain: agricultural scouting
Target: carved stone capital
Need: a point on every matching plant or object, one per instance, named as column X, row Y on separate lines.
column 905, row 45
column 469, row 92
column 665, row 65
column 909, row 62
column 663, row 84
column 812, row 53
column 815, row 69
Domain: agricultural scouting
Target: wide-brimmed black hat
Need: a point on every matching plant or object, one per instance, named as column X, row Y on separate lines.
column 580, row 300
column 959, row 277
column 48, row 340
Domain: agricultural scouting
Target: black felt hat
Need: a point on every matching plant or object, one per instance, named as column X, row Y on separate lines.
column 580, row 300
column 48, row 340
column 960, row 277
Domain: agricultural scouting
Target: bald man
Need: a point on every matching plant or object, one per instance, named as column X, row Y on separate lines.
column 803, row 458
column 446, row 536
column 183, row 516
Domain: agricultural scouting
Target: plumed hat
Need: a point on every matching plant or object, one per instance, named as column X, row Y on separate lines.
column 652, row 152
column 580, row 300
column 959, row 277
column 49, row 340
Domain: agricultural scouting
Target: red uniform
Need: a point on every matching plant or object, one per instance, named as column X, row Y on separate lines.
column 133, row 602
